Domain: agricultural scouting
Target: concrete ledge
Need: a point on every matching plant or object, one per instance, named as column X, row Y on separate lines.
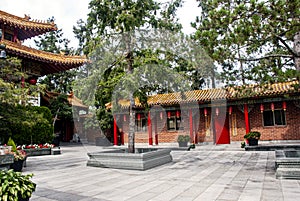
column 143, row 159
column 272, row 147
column 287, row 164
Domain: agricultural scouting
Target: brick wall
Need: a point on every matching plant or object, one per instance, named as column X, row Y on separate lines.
column 289, row 132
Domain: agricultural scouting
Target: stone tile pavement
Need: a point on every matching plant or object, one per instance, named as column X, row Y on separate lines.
column 210, row 172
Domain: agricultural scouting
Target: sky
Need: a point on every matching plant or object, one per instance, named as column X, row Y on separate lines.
column 68, row 12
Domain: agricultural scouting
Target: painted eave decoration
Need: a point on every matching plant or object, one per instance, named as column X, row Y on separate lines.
column 53, row 63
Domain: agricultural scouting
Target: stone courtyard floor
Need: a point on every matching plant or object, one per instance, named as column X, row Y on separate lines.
column 210, row 172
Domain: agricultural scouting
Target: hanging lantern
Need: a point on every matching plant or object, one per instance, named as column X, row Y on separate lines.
column 217, row 111
column 272, row 106
column 205, row 111
column 169, row 114
column 161, row 115
column 32, row 81
column 261, row 108
column 177, row 113
column 124, row 117
column 230, row 110
column 139, row 117
column 284, row 105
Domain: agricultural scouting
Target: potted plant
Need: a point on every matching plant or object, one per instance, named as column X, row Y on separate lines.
column 19, row 156
column 252, row 138
column 183, row 140
column 15, row 186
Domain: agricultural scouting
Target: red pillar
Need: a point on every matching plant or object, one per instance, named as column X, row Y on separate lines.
column 155, row 130
column 246, row 114
column 150, row 129
column 115, row 131
column 191, row 125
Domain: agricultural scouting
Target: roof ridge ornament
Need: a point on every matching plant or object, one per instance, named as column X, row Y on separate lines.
column 27, row 17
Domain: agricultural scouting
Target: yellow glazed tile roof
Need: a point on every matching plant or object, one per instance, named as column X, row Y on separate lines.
column 207, row 95
column 26, row 28
column 55, row 62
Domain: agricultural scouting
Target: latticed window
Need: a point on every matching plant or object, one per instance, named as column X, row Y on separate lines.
column 274, row 117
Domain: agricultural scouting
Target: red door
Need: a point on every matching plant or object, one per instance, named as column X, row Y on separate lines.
column 222, row 129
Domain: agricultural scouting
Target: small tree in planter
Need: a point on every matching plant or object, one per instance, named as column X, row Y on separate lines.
column 183, row 140
column 15, row 186
column 252, row 138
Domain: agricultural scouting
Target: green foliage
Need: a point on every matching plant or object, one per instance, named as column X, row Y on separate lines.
column 14, row 185
column 252, row 40
column 253, row 134
column 11, row 143
column 26, row 124
column 65, row 109
column 183, row 138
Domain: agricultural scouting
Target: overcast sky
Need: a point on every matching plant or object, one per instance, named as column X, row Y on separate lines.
column 68, row 12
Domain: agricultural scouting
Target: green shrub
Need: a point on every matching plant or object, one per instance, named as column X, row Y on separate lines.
column 252, row 134
column 14, row 185
column 183, row 138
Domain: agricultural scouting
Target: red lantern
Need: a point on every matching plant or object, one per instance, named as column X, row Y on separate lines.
column 124, row 117
column 272, row 106
column 284, row 105
column 32, row 81
column 139, row 117
column 169, row 114
column 177, row 113
column 217, row 111
column 261, row 108
column 205, row 112
column 230, row 110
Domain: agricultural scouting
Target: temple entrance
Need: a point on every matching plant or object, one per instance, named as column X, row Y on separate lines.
column 222, row 129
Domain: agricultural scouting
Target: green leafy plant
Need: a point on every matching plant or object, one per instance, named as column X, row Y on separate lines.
column 253, row 135
column 11, row 143
column 183, row 138
column 14, row 185
column 243, row 144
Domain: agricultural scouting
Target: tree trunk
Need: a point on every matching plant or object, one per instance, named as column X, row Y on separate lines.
column 129, row 58
column 297, row 50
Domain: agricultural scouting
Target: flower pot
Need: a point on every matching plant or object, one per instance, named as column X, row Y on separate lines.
column 182, row 144
column 253, row 142
column 17, row 166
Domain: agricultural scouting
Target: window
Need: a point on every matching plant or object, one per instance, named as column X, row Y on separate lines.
column 274, row 118
column 140, row 124
column 174, row 122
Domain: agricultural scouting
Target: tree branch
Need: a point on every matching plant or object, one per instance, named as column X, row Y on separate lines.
column 265, row 57
column 287, row 46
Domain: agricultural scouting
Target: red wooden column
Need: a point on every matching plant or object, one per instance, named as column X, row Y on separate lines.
column 246, row 114
column 191, row 125
column 115, row 131
column 155, row 130
column 150, row 129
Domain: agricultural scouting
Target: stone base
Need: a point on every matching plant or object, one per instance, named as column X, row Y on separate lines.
column 38, row 152
column 55, row 151
column 143, row 159
column 287, row 164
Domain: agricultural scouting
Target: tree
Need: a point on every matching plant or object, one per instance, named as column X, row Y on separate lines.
column 108, row 18
column 252, row 40
column 54, row 42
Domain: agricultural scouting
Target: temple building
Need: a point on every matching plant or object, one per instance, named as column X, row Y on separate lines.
column 36, row 63
column 219, row 116
column 14, row 30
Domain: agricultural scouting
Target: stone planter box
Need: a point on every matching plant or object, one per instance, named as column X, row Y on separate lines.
column 253, row 142
column 5, row 161
column 287, row 164
column 182, row 144
column 143, row 159
column 38, row 152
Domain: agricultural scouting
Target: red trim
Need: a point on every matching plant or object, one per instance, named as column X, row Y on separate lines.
column 150, row 129
column 217, row 111
column 230, row 110
column 161, row 115
column 246, row 114
column 191, row 125
column 272, row 106
column 115, row 131
column 138, row 117
column 155, row 130
column 23, row 82
column 124, row 117
column 205, row 111
column 177, row 113
column 169, row 114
